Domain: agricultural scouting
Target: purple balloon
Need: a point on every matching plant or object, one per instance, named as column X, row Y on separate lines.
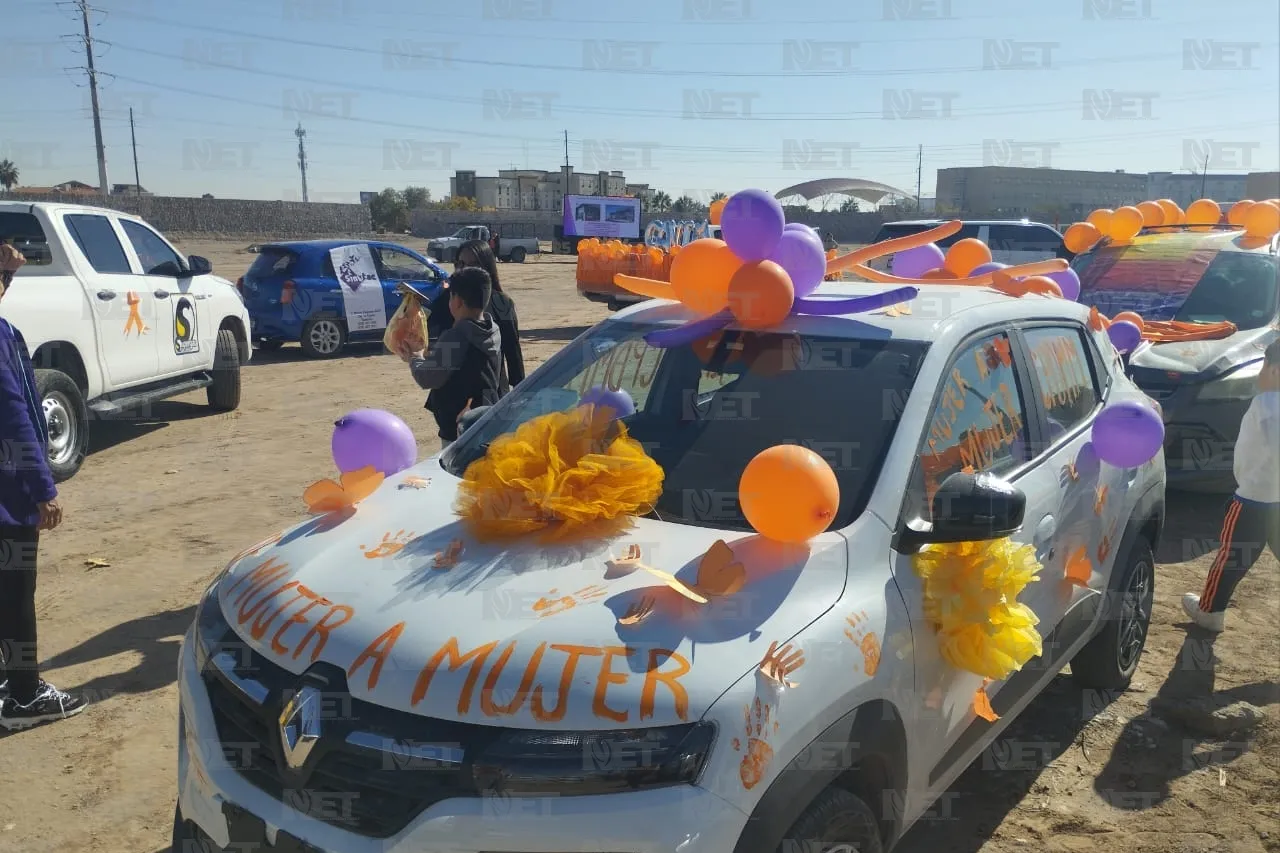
column 1068, row 282
column 1128, row 433
column 915, row 262
column 620, row 401
column 752, row 222
column 856, row 305
column 990, row 266
column 1124, row 335
column 799, row 226
column 368, row 437
column 1088, row 465
column 804, row 259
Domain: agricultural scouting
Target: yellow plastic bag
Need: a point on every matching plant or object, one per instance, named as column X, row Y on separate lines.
column 407, row 327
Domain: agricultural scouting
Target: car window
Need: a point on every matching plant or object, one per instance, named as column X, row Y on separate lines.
column 1068, row 384
column 152, row 251
column 24, row 232
column 705, row 409
column 398, row 266
column 98, row 242
column 978, row 423
column 897, row 229
column 1238, row 287
column 1024, row 238
column 271, row 261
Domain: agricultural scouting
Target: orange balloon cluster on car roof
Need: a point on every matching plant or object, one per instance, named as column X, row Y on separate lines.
column 1260, row 220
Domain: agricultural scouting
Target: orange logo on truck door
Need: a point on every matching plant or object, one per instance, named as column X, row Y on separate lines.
column 134, row 323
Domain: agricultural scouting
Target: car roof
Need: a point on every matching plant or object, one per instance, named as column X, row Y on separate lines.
column 1026, row 222
column 1221, row 239
column 936, row 310
column 13, row 205
column 325, row 245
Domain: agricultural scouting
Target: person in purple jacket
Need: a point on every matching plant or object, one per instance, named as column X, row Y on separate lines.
column 28, row 505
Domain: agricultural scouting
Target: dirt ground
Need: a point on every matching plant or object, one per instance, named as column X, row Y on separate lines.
column 164, row 500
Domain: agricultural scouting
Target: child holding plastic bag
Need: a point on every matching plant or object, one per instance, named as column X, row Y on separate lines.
column 407, row 328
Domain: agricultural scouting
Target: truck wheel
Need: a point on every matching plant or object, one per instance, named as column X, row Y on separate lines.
column 1110, row 659
column 224, row 392
column 323, row 336
column 835, row 822
column 517, row 255
column 68, row 420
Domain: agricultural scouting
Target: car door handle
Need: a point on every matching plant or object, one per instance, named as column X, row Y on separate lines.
column 106, row 295
column 162, row 294
column 202, row 296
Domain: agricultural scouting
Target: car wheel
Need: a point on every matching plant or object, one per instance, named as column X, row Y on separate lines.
column 323, row 336
column 68, row 421
column 224, row 391
column 273, row 345
column 1111, row 658
column 835, row 822
column 517, row 255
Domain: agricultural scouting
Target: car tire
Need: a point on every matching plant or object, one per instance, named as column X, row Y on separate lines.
column 1110, row 659
column 224, row 392
column 517, row 255
column 835, row 822
column 273, row 345
column 67, row 418
column 323, row 336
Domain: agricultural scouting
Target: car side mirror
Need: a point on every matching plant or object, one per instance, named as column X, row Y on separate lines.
column 199, row 265
column 970, row 508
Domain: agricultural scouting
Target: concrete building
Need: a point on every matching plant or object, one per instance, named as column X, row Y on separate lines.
column 1068, row 194
column 1262, row 185
column 538, row 189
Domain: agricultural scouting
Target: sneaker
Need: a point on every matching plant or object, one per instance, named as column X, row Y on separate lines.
column 1214, row 622
column 49, row 705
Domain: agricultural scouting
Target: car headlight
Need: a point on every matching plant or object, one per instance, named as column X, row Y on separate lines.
column 1239, row 384
column 551, row 763
column 211, row 626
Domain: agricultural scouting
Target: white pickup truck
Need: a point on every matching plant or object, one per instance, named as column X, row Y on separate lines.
column 509, row 248
column 116, row 319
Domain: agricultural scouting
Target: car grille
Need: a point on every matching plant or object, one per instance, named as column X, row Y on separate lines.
column 375, row 793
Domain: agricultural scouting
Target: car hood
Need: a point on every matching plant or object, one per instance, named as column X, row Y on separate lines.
column 520, row 634
column 1205, row 358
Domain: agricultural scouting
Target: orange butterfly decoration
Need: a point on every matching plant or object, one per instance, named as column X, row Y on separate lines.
column 327, row 496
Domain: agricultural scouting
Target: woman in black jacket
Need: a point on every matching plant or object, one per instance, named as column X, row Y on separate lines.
column 477, row 253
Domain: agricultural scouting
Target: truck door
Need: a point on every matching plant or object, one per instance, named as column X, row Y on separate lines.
column 124, row 307
column 184, row 340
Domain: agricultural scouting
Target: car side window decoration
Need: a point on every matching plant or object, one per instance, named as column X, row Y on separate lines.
column 979, row 422
column 1068, row 389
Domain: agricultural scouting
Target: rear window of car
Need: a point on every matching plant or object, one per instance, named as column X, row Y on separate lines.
column 26, row 235
column 1025, row 238
column 272, row 260
column 904, row 229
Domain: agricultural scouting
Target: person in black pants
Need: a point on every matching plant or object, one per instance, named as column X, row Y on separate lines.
column 28, row 505
column 502, row 308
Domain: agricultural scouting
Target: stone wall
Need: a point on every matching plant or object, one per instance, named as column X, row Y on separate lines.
column 268, row 220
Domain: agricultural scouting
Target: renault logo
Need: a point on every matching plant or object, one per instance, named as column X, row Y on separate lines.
column 300, row 726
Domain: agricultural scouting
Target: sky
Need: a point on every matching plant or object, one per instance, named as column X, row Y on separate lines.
column 691, row 97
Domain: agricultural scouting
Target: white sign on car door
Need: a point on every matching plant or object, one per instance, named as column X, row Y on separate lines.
column 362, row 297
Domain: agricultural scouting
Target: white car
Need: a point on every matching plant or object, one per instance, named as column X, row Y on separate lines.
column 1012, row 241
column 116, row 319
column 342, row 692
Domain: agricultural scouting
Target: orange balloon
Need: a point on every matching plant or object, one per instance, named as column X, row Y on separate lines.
column 788, row 493
column 941, row 274
column 1101, row 219
column 1205, row 211
column 1132, row 316
column 1126, row 222
column 1171, row 210
column 1262, row 220
column 1042, row 285
column 1152, row 214
column 965, row 255
column 700, row 275
column 1081, row 237
column 717, row 208
column 1235, row 215
column 761, row 294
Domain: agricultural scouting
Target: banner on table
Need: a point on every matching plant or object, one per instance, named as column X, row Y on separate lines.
column 362, row 297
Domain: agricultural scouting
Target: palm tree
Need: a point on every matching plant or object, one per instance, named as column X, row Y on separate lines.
column 715, row 197
column 660, row 203
column 684, row 204
column 849, row 205
column 8, row 174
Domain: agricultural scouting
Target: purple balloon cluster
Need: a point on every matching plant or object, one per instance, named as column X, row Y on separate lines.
column 756, row 229
column 915, row 262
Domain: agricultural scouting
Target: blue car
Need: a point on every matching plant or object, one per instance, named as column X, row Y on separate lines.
column 292, row 293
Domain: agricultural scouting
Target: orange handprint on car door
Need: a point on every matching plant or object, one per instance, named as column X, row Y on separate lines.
column 135, row 316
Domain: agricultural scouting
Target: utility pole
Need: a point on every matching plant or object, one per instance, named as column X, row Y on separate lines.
column 137, row 181
column 919, row 173
column 103, row 187
column 1204, row 175
column 302, row 158
column 566, row 149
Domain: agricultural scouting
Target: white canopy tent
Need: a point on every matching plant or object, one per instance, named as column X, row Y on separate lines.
column 871, row 192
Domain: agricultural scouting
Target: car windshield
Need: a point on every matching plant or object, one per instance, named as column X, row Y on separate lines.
column 703, row 410
column 1192, row 283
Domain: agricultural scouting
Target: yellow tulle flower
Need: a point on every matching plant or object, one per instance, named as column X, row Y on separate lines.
column 970, row 596
column 561, row 474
